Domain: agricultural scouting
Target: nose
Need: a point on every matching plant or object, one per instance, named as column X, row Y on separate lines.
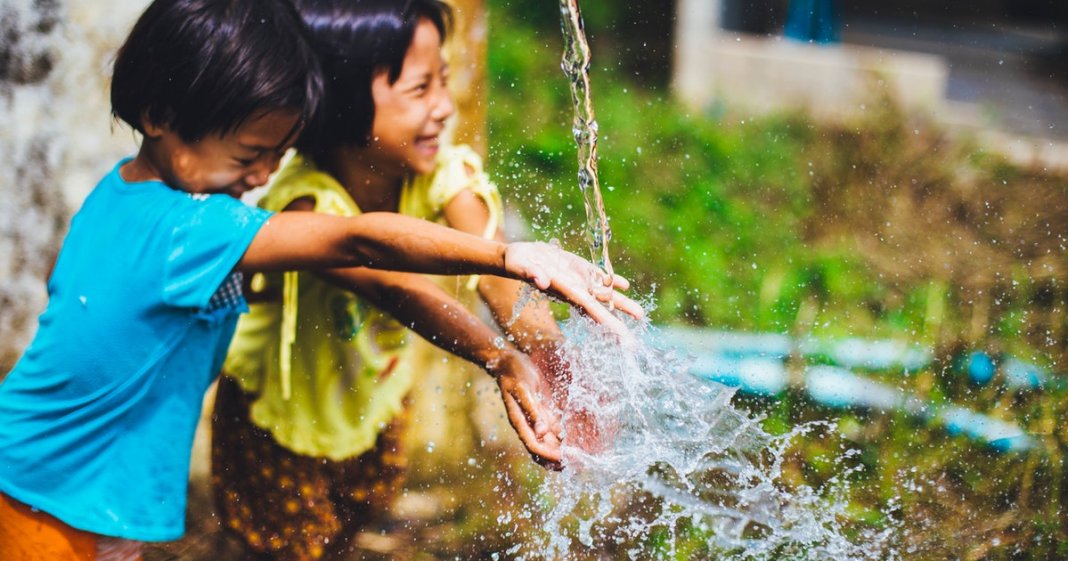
column 257, row 178
column 261, row 170
column 444, row 108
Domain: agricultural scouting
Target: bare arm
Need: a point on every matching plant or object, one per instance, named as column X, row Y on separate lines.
column 423, row 306
column 309, row 240
column 417, row 302
column 382, row 240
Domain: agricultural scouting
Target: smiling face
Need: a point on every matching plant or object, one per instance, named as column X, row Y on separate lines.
column 410, row 113
column 232, row 163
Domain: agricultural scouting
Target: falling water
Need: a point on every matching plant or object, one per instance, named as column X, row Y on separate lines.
column 576, row 64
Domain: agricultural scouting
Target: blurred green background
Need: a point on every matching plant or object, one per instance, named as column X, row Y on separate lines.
column 881, row 226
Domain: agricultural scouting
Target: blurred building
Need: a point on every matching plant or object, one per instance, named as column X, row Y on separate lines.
column 993, row 67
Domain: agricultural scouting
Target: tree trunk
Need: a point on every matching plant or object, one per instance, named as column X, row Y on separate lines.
column 466, row 54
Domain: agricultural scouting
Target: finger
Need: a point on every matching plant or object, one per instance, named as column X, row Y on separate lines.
column 620, row 301
column 624, row 304
column 537, row 277
column 553, row 464
column 536, row 415
column 545, row 452
column 581, row 298
column 540, row 279
column 601, row 315
column 620, row 283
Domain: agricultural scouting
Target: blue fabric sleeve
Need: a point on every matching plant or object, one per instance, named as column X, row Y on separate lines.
column 207, row 242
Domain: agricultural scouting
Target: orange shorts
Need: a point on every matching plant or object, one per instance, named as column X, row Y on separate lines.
column 29, row 535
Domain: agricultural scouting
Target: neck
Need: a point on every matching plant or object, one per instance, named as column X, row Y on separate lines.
column 372, row 186
column 143, row 167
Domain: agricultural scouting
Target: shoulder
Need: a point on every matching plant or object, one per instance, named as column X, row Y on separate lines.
column 459, row 167
column 214, row 214
column 301, row 180
column 462, row 159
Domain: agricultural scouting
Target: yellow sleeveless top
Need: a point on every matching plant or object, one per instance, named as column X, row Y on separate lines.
column 329, row 371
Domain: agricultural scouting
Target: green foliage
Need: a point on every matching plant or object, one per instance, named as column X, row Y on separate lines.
column 884, row 226
column 699, row 208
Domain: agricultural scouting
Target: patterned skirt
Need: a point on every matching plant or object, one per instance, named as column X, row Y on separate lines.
column 290, row 506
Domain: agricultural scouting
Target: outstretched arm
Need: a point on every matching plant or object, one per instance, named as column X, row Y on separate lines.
column 295, row 240
column 309, row 240
column 417, row 302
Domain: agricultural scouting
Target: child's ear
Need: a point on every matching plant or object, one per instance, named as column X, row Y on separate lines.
column 151, row 128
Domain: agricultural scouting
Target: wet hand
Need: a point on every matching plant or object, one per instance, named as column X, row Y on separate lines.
column 533, row 419
column 583, row 429
column 571, row 278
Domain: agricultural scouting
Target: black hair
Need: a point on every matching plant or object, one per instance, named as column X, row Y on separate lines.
column 206, row 66
column 355, row 40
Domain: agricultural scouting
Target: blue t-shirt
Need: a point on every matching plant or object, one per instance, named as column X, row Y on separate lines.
column 97, row 418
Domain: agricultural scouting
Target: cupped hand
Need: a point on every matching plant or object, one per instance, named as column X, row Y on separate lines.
column 571, row 278
column 532, row 417
column 583, row 428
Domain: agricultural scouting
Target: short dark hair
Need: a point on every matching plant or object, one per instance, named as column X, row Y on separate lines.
column 355, row 40
column 206, row 66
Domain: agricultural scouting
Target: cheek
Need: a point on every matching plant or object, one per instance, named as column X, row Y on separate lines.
column 398, row 122
column 222, row 177
column 203, row 169
column 210, row 174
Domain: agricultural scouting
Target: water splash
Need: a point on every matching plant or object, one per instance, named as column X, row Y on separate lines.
column 658, row 459
column 576, row 65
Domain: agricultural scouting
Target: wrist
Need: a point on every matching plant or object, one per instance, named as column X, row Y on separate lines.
column 496, row 360
column 502, row 259
column 547, row 342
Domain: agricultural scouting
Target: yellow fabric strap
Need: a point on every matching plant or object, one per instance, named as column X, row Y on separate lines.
column 289, row 331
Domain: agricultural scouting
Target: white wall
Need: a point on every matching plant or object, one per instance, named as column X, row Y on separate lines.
column 57, row 139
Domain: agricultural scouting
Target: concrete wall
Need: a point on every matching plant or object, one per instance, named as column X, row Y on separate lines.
column 765, row 73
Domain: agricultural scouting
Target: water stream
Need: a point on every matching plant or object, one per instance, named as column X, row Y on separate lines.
column 576, row 65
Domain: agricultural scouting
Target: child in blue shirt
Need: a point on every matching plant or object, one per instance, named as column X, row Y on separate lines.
column 97, row 418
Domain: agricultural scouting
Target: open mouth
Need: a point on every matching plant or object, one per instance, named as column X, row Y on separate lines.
column 428, row 143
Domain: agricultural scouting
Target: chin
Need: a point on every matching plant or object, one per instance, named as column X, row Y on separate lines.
column 420, row 168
